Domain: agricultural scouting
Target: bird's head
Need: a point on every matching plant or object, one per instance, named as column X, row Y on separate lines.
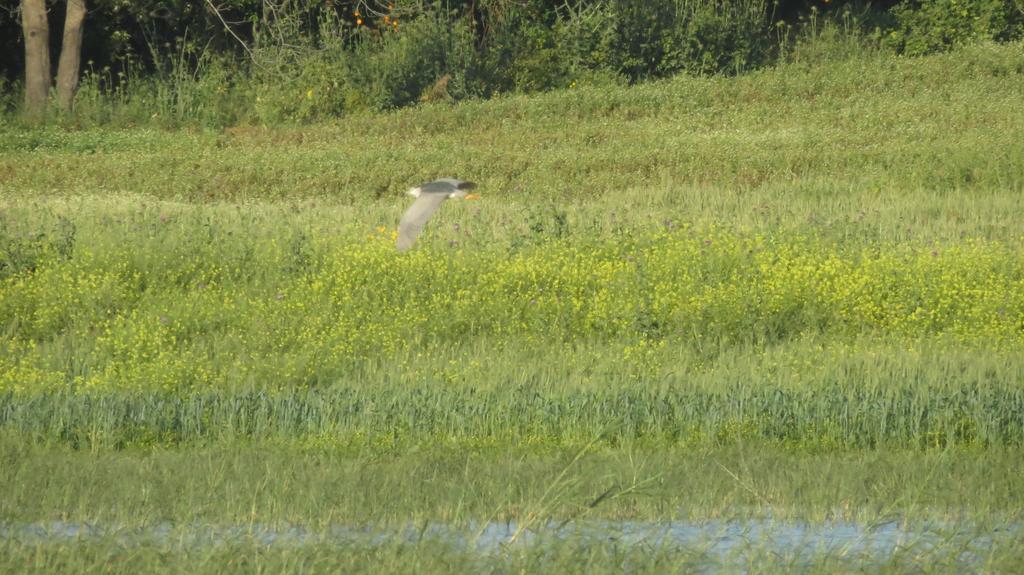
column 463, row 190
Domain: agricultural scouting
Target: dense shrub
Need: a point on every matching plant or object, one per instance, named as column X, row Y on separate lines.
column 696, row 36
column 396, row 67
column 934, row 25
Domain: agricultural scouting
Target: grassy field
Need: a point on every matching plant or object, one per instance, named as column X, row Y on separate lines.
column 794, row 294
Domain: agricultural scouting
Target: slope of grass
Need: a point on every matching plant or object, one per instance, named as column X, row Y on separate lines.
column 874, row 128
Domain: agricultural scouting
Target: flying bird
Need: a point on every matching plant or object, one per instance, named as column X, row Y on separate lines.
column 429, row 198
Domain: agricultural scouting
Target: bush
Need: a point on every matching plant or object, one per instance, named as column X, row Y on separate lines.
column 312, row 89
column 9, row 92
column 397, row 66
column 642, row 40
column 518, row 49
column 834, row 36
column 924, row 27
column 348, row 68
column 529, row 48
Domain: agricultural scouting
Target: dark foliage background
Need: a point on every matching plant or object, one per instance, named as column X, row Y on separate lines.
column 223, row 62
column 116, row 28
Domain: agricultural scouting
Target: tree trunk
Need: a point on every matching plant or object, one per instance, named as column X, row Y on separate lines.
column 37, row 56
column 70, row 54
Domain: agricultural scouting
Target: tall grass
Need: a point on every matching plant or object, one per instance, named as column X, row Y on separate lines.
column 317, row 485
column 862, row 410
column 152, row 509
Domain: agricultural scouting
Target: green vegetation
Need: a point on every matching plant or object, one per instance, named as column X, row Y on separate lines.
column 795, row 294
column 925, row 27
column 801, row 141
column 315, row 485
column 188, row 302
column 249, row 62
column 255, row 488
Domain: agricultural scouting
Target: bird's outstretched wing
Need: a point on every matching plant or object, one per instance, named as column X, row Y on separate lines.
column 415, row 217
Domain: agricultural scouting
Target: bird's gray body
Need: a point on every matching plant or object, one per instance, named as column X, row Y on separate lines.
column 429, row 197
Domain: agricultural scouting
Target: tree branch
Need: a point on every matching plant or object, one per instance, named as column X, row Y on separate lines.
column 241, row 42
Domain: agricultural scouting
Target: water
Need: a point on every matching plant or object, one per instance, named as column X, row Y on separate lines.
column 716, row 539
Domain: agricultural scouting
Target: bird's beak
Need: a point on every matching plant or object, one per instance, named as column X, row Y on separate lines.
column 472, row 196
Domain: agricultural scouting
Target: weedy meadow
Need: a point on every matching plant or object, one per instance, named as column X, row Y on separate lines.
column 795, row 294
